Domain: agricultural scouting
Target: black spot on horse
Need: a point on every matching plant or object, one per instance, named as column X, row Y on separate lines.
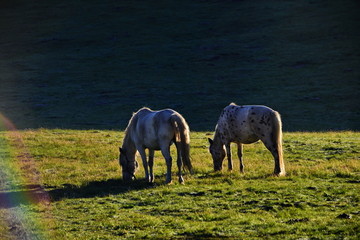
column 268, row 121
column 262, row 120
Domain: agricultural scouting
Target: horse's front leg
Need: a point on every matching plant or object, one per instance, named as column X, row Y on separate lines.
column 145, row 164
column 166, row 153
column 228, row 153
column 240, row 154
column 151, row 165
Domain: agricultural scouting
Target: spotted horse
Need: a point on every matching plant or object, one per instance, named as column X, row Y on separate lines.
column 245, row 125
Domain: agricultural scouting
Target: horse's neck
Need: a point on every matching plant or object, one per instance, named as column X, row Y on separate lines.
column 128, row 144
column 217, row 138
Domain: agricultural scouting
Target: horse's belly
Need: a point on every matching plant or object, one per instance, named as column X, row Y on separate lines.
column 155, row 144
column 151, row 144
column 246, row 136
column 250, row 139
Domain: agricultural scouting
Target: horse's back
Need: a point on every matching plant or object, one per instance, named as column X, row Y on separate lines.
column 148, row 117
column 152, row 127
column 248, row 112
column 248, row 109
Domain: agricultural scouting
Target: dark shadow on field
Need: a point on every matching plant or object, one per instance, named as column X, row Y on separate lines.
column 30, row 194
column 35, row 194
column 97, row 189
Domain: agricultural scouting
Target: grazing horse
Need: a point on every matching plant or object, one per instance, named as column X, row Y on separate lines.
column 245, row 125
column 155, row 130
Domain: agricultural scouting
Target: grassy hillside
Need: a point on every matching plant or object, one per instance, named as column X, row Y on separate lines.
column 90, row 64
column 78, row 171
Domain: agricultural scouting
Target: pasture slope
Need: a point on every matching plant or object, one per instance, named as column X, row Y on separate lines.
column 78, row 172
column 89, row 64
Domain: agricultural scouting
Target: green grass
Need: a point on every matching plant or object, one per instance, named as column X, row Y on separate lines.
column 318, row 199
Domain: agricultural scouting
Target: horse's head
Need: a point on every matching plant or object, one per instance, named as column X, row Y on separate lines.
column 128, row 164
column 218, row 154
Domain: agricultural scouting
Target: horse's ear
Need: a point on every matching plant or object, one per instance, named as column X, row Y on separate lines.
column 210, row 141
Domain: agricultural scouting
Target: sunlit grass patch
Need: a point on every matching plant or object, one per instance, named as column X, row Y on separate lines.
column 80, row 172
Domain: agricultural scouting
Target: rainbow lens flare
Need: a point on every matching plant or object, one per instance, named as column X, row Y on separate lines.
column 24, row 203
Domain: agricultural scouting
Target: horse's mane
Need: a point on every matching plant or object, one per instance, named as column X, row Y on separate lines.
column 133, row 120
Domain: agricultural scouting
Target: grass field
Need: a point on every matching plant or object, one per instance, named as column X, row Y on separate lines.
column 78, row 170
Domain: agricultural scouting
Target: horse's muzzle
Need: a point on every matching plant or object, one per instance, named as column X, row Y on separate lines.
column 127, row 177
column 217, row 168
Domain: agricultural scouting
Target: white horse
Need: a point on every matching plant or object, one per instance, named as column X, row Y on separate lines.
column 155, row 130
column 245, row 125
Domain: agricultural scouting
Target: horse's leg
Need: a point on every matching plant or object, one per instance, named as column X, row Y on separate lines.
column 145, row 164
column 151, row 165
column 166, row 153
column 179, row 162
column 240, row 154
column 228, row 152
column 272, row 146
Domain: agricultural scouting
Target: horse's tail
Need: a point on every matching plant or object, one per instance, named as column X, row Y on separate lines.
column 183, row 136
column 277, row 140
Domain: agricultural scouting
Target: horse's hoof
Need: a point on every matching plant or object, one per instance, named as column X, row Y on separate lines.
column 280, row 174
column 152, row 180
column 181, row 180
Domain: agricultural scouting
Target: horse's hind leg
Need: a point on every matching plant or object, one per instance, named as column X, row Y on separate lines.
column 166, row 153
column 240, row 154
column 276, row 151
column 151, row 165
column 179, row 163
